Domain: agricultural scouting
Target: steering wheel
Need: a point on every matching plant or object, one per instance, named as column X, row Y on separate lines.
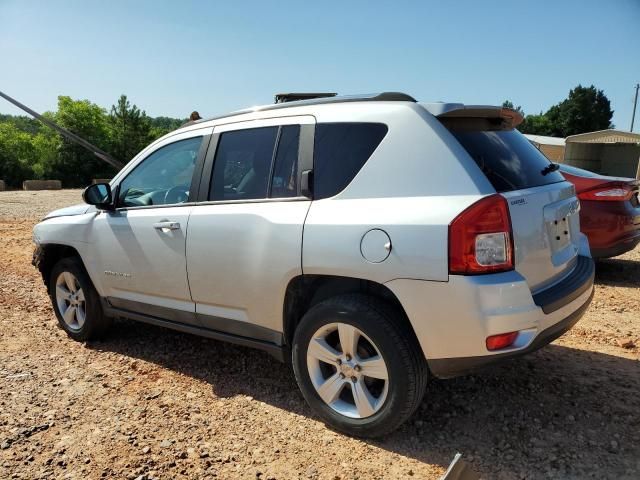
column 179, row 194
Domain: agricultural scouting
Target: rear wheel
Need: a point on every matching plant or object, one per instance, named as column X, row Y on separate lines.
column 76, row 302
column 357, row 365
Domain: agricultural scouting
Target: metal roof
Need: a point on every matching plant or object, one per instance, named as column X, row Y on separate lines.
column 544, row 140
column 605, row 136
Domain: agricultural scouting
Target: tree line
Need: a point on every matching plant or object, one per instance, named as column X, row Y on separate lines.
column 586, row 109
column 31, row 150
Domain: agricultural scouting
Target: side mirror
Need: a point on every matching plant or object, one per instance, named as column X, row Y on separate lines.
column 99, row 195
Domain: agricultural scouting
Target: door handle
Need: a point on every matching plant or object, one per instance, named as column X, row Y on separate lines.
column 166, row 225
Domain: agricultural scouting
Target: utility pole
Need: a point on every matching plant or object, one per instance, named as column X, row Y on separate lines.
column 635, row 103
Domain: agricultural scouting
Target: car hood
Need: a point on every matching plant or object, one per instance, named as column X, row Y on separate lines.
column 69, row 211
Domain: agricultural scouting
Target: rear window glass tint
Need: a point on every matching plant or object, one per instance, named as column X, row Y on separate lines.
column 340, row 151
column 506, row 157
column 242, row 164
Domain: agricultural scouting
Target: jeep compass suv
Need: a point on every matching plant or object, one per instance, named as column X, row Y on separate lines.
column 373, row 241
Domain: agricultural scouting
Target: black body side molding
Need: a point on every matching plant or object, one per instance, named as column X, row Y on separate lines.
column 566, row 291
column 274, row 349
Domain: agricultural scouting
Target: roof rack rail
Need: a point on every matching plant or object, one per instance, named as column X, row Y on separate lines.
column 372, row 97
column 292, row 97
column 392, row 97
column 375, row 97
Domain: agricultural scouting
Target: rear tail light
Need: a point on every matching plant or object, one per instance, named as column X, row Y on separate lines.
column 608, row 193
column 504, row 340
column 480, row 239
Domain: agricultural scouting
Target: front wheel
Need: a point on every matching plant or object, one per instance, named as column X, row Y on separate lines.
column 358, row 366
column 76, row 302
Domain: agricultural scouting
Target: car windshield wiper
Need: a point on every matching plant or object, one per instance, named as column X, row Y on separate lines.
column 552, row 167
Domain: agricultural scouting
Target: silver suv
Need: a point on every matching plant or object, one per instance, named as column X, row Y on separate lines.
column 373, row 241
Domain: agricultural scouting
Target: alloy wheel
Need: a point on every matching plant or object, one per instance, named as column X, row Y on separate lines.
column 347, row 370
column 70, row 300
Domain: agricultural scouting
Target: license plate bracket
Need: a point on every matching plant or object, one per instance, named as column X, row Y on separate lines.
column 560, row 233
column 558, row 218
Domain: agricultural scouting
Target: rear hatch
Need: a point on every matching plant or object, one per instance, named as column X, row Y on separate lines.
column 542, row 205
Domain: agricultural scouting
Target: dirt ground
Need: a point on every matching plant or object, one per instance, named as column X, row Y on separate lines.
column 152, row 403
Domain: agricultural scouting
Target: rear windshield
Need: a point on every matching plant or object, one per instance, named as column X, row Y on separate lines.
column 506, row 157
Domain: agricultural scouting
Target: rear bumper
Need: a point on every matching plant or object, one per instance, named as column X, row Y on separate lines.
column 454, row 367
column 453, row 319
column 570, row 288
column 621, row 246
column 613, row 228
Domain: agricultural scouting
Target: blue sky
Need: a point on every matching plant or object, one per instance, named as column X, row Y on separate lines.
column 173, row 57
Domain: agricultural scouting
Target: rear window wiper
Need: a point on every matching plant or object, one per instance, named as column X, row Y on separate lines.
column 552, row 167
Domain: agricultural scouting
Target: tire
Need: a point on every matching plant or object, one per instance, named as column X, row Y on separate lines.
column 381, row 335
column 87, row 321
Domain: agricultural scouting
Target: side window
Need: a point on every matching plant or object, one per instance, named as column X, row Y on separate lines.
column 163, row 178
column 285, row 170
column 340, row 151
column 242, row 164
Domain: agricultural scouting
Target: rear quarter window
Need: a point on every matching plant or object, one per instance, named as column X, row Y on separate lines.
column 340, row 151
column 506, row 157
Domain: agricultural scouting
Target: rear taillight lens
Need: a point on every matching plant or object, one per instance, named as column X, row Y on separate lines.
column 504, row 340
column 608, row 194
column 480, row 239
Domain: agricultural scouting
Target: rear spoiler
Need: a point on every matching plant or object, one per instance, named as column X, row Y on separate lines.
column 511, row 117
column 101, row 154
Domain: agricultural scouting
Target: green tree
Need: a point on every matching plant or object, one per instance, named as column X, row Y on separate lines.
column 586, row 109
column 509, row 104
column 163, row 125
column 74, row 165
column 536, row 125
column 29, row 149
column 16, row 153
column 22, row 122
column 47, row 145
column 130, row 130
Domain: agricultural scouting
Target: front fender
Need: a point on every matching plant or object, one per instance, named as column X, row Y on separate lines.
column 63, row 236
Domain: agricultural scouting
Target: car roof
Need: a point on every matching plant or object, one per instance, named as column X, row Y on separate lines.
column 438, row 109
column 372, row 97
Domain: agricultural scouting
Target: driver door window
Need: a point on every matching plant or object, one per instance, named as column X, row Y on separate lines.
column 163, row 178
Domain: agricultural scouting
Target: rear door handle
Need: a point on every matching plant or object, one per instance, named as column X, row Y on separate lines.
column 166, row 225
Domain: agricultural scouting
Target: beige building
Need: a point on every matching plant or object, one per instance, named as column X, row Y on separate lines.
column 609, row 152
column 552, row 147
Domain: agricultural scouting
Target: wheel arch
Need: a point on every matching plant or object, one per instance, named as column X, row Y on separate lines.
column 305, row 291
column 47, row 255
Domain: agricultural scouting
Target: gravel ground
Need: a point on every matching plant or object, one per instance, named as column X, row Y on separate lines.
column 152, row 403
